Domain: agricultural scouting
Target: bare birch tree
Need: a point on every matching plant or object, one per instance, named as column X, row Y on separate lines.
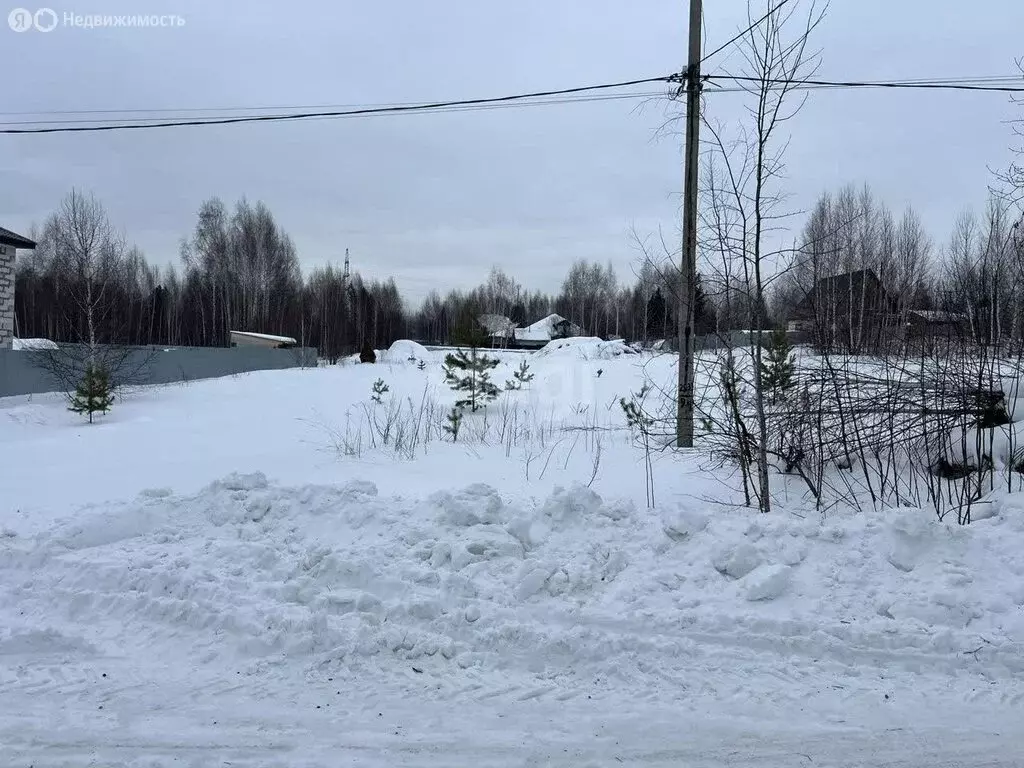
column 93, row 264
column 85, row 241
column 745, row 198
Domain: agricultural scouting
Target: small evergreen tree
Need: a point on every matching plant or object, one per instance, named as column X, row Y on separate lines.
column 454, row 423
column 633, row 409
column 778, row 367
column 637, row 418
column 366, row 353
column 422, row 364
column 94, row 393
column 705, row 319
column 519, row 377
column 469, row 373
column 656, row 316
column 379, row 390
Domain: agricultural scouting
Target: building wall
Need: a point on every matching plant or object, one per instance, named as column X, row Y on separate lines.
column 26, row 372
column 6, row 296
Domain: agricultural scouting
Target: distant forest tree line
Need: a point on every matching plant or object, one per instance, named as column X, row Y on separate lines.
column 240, row 271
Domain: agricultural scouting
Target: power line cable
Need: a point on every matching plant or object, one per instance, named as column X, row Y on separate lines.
column 396, row 109
column 168, row 110
column 540, row 98
column 235, row 108
column 577, row 99
column 211, row 113
column 739, row 36
column 949, row 85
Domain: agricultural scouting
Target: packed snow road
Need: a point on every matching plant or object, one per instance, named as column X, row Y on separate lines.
column 168, row 726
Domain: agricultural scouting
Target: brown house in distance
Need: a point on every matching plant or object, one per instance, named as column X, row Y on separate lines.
column 851, row 311
column 931, row 325
column 854, row 312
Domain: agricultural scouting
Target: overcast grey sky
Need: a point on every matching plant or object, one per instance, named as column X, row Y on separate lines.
column 435, row 200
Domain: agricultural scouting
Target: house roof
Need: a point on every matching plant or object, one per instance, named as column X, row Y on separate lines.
column 845, row 279
column 543, row 330
column 265, row 337
column 33, row 345
column 834, row 287
column 15, row 240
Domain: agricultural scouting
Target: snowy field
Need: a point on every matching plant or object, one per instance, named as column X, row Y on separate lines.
column 274, row 570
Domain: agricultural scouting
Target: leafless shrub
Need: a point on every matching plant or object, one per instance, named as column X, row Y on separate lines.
column 66, row 365
column 896, row 430
column 407, row 427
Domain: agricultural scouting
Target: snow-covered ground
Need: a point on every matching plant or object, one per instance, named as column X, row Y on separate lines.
column 246, row 572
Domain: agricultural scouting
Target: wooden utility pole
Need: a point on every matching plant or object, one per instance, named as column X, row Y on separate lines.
column 688, row 269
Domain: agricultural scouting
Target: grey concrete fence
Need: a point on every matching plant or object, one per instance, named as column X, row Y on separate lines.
column 26, row 372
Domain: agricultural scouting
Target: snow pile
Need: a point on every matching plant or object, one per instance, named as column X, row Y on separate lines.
column 574, row 582
column 1013, row 394
column 168, row 609
column 405, row 351
column 33, row 345
column 1001, row 446
column 585, row 348
column 767, row 582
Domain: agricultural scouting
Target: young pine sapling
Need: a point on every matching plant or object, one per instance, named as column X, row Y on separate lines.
column 469, row 374
column 379, row 390
column 778, row 368
column 637, row 418
column 519, row 377
column 94, row 393
column 454, row 419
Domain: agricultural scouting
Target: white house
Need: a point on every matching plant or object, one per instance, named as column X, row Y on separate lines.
column 540, row 333
column 9, row 243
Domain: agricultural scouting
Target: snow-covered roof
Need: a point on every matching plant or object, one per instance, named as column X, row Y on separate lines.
column 547, row 324
column 266, row 337
column 533, row 334
column 33, row 344
column 542, row 330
